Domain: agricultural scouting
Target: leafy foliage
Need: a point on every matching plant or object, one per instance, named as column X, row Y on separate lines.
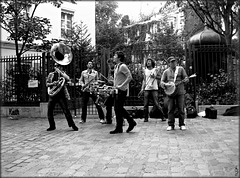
column 167, row 39
column 108, row 34
column 220, row 90
column 79, row 38
column 214, row 12
column 22, row 25
column 9, row 84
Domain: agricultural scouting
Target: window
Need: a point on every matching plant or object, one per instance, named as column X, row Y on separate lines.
column 66, row 22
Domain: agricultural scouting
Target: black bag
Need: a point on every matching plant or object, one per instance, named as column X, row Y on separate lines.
column 155, row 113
column 232, row 111
column 191, row 112
column 136, row 112
column 211, row 113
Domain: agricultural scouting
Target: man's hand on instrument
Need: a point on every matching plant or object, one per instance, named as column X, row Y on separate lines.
column 58, row 70
column 55, row 83
column 166, row 85
column 152, row 75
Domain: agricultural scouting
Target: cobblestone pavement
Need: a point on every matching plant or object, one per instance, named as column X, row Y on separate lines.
column 207, row 148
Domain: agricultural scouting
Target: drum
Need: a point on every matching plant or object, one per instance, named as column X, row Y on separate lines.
column 93, row 87
column 102, row 95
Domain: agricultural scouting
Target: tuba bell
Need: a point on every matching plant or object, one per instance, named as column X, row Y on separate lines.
column 62, row 55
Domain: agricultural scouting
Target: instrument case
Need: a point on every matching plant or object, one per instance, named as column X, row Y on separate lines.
column 211, row 113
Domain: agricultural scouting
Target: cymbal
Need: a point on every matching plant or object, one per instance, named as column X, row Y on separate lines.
column 100, row 81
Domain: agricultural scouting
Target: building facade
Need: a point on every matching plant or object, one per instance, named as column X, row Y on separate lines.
column 61, row 19
column 144, row 31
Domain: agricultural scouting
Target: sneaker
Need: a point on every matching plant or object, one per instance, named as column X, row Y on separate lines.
column 81, row 121
column 183, row 127
column 102, row 121
column 170, row 128
column 123, row 122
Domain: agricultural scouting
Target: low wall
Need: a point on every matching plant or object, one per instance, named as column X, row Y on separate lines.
column 41, row 111
column 25, row 111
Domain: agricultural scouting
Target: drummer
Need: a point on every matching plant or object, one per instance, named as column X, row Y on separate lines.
column 88, row 81
column 109, row 102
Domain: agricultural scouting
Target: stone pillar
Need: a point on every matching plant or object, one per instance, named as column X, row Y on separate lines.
column 43, row 109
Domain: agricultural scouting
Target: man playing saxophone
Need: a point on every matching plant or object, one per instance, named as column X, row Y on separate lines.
column 57, row 90
column 87, row 79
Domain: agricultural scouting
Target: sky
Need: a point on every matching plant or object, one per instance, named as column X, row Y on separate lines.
column 133, row 8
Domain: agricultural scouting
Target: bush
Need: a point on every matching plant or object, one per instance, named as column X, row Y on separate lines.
column 220, row 90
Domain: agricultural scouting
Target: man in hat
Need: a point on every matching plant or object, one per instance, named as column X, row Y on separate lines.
column 175, row 74
column 62, row 95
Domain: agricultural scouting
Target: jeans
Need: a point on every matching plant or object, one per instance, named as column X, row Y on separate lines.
column 173, row 102
column 85, row 99
column 120, row 111
column 62, row 101
column 147, row 94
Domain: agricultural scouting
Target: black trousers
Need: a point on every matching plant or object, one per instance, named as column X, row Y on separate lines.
column 62, row 101
column 120, row 111
column 85, row 99
column 109, row 105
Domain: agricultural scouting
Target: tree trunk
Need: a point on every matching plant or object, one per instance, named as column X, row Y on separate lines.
column 18, row 77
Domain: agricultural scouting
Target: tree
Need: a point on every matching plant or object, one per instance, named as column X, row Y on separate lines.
column 167, row 39
column 125, row 21
column 79, row 38
column 23, row 27
column 192, row 23
column 108, row 33
column 214, row 13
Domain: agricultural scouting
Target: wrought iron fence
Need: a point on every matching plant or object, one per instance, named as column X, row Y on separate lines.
column 206, row 61
column 217, row 69
column 21, row 87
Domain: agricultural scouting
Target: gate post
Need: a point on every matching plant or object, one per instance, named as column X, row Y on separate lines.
column 105, row 55
column 43, row 80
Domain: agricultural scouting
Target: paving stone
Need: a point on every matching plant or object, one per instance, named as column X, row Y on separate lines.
column 207, row 148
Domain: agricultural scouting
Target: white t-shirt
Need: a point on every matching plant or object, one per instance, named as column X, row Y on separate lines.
column 151, row 84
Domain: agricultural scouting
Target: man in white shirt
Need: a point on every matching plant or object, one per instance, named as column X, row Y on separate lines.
column 122, row 77
column 87, row 79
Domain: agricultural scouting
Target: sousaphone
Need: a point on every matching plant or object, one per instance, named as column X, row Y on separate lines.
column 62, row 55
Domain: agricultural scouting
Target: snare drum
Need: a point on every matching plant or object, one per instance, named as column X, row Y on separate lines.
column 103, row 94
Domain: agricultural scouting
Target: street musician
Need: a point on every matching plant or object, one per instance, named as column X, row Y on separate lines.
column 88, row 80
column 56, row 83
